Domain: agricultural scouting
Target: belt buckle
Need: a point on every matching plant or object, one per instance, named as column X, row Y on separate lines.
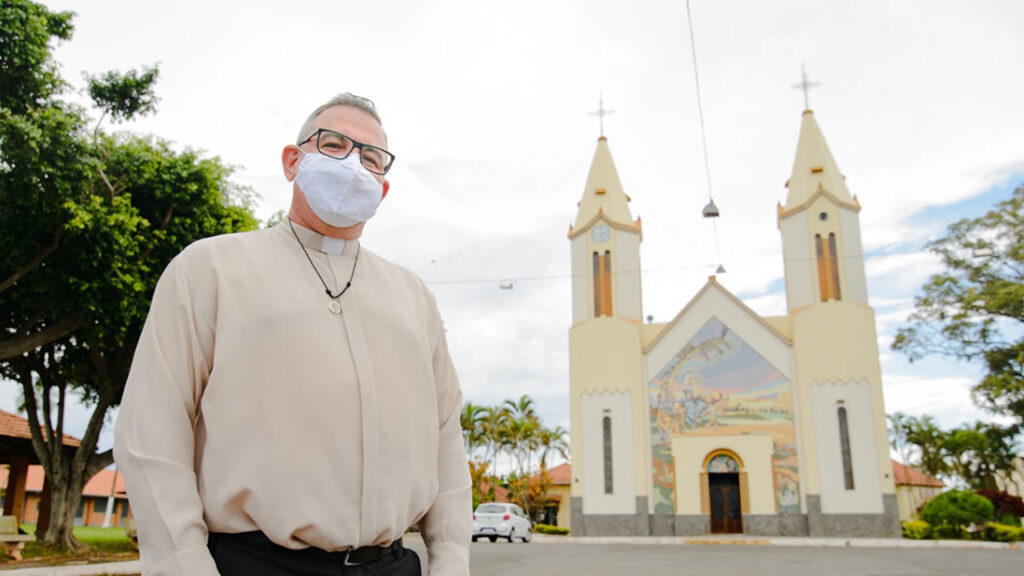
column 346, row 561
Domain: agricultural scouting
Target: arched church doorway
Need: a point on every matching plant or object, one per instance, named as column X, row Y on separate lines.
column 725, row 497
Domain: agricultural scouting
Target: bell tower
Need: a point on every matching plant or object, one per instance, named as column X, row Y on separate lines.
column 848, row 481
column 605, row 247
column 610, row 480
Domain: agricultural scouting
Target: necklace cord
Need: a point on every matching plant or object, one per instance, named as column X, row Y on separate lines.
column 315, row 269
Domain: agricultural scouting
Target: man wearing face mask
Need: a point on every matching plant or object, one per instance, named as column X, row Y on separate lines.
column 292, row 408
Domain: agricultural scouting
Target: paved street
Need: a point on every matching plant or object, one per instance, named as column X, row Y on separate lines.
column 557, row 559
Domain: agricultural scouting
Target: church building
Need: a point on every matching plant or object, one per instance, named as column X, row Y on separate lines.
column 721, row 420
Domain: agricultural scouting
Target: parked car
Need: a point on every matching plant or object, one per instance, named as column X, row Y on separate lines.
column 500, row 519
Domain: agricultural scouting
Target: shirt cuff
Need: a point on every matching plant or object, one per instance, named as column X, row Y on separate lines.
column 192, row 562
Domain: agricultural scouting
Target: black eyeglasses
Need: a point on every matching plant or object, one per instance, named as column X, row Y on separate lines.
column 337, row 145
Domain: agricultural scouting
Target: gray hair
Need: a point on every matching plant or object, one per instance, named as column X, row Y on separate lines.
column 344, row 99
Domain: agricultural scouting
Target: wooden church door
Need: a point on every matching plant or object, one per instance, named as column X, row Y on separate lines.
column 726, row 516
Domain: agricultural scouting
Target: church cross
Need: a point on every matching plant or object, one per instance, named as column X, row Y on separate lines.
column 806, row 86
column 601, row 112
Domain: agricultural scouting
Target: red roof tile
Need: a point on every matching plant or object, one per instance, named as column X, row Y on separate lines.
column 906, row 476
column 561, row 475
column 98, row 485
column 15, row 426
column 500, row 493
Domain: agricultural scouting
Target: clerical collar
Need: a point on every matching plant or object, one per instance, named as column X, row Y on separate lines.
column 315, row 241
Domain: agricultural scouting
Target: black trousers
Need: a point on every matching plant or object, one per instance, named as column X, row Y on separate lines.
column 252, row 554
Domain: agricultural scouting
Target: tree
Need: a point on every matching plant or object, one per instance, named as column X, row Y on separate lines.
column 974, row 309
column 980, row 453
column 925, row 435
column 90, row 220
column 951, row 511
column 472, row 432
column 898, row 436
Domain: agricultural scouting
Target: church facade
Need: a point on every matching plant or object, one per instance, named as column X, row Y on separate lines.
column 723, row 421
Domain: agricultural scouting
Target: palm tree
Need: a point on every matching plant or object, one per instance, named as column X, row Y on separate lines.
column 493, row 433
column 553, row 441
column 522, row 408
column 472, row 430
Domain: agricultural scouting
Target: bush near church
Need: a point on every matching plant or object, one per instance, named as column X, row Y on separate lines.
column 952, row 513
column 1009, row 509
column 997, row 532
column 549, row 529
column 917, row 530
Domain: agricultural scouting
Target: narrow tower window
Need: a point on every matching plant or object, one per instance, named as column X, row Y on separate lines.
column 603, row 284
column 606, row 284
column 607, row 454
column 828, row 267
column 823, row 274
column 844, row 444
column 833, row 262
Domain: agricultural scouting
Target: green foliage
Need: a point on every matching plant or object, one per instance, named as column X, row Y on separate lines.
column 950, row 512
column 512, row 429
column 29, row 75
column 979, row 453
column 124, row 95
column 917, row 530
column 89, row 221
column 974, row 309
column 919, row 442
column 103, row 544
column 549, row 529
column 1002, row 533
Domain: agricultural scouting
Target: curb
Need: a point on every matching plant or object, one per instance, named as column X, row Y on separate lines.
column 782, row 541
column 130, row 567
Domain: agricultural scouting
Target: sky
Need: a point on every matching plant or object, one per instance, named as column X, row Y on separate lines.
column 488, row 109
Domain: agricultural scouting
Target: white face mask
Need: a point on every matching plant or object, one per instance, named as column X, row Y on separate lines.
column 342, row 193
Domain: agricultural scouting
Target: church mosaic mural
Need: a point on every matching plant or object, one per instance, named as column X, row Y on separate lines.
column 718, row 385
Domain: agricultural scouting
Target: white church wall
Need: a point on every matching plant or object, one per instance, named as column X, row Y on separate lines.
column 855, row 396
column 618, row 406
column 853, row 257
column 582, row 285
column 754, row 450
column 801, row 277
column 627, row 292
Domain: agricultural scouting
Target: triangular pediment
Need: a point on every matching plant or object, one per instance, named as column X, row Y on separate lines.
column 715, row 301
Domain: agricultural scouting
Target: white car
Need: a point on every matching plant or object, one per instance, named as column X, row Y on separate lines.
column 500, row 519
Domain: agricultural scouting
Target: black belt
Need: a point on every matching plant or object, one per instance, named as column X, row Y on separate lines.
column 352, row 557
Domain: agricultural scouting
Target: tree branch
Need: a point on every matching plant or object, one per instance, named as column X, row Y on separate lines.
column 36, row 261
column 17, row 345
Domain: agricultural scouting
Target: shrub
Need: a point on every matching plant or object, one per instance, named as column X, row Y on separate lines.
column 950, row 512
column 1004, row 504
column 549, row 529
column 1010, row 520
column 1003, row 533
column 917, row 530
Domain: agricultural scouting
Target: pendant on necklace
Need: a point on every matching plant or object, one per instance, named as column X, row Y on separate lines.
column 334, row 306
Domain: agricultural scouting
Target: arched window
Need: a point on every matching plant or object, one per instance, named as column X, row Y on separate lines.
column 607, row 424
column 844, row 445
column 597, row 285
column 722, row 464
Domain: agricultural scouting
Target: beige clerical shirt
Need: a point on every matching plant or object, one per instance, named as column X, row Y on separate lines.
column 250, row 406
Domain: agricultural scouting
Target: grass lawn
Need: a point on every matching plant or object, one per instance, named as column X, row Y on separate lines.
column 105, row 545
